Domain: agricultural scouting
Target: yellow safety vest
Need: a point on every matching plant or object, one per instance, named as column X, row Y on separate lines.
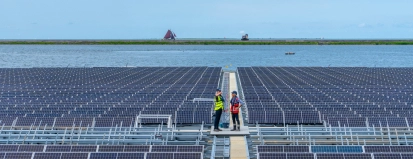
column 219, row 103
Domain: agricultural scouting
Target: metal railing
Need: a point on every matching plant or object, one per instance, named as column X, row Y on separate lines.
column 301, row 135
column 160, row 135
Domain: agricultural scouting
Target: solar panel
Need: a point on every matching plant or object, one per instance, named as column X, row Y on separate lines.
column 43, row 121
column 159, row 156
column 64, row 122
column 330, row 156
column 91, row 90
column 2, row 155
column 410, row 121
column 332, row 86
column 369, row 149
column 325, row 149
column 111, row 148
column 187, row 156
column 292, row 117
column 407, row 156
column 104, row 122
column 103, row 155
column 83, row 122
column 300, row 156
column 396, row 122
column 9, row 148
column 18, row 156
column 270, row 148
column 310, row 117
column 190, row 148
column 274, row 117
column 401, row 148
column 84, row 148
column 136, row 148
column 31, row 148
column 296, row 149
column 355, row 149
column 356, row 122
column 47, row 155
column 131, row 156
column 337, row 121
column 272, row 155
column 62, row 148
column 357, row 156
column 74, row 155
column 386, row 156
column 25, row 121
column 156, row 148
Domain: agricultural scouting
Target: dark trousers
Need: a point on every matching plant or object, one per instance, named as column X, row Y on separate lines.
column 235, row 117
column 218, row 114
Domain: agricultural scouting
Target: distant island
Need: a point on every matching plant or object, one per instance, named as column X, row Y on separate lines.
column 208, row 42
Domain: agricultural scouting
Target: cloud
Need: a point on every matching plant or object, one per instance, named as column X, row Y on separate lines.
column 242, row 32
column 362, row 25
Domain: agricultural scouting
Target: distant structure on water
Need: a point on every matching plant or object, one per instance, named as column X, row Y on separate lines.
column 169, row 35
column 245, row 37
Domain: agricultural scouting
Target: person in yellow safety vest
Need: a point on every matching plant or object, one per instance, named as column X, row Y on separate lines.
column 219, row 106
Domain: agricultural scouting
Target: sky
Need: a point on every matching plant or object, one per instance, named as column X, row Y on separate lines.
column 150, row 19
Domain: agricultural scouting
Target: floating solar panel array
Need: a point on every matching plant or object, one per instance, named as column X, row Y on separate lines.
column 104, row 97
column 340, row 96
column 99, row 152
column 333, row 152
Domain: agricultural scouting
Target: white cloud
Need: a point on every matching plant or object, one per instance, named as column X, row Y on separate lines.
column 242, row 32
column 362, row 25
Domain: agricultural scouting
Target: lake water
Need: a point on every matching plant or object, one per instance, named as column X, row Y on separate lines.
column 230, row 57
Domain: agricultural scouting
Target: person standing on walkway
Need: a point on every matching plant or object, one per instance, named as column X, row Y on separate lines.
column 235, row 105
column 219, row 106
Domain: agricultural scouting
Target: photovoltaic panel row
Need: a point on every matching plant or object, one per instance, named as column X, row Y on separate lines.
column 67, row 148
column 283, row 117
column 360, row 96
column 61, row 96
column 148, row 155
column 265, row 148
column 42, row 155
column 286, row 155
column 182, row 117
column 334, row 149
column 21, row 148
column 374, row 149
column 17, row 155
column 173, row 155
column 102, row 148
column 327, row 149
column 314, row 149
column 155, row 148
column 343, row 156
column 335, row 155
column 195, row 148
column 393, row 155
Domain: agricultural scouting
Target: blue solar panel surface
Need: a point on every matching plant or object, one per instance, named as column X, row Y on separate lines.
column 80, row 97
column 341, row 96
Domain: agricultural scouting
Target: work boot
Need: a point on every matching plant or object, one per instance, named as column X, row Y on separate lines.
column 216, row 130
column 239, row 128
column 235, row 128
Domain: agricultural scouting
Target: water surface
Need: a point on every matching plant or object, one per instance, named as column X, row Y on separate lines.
column 226, row 56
